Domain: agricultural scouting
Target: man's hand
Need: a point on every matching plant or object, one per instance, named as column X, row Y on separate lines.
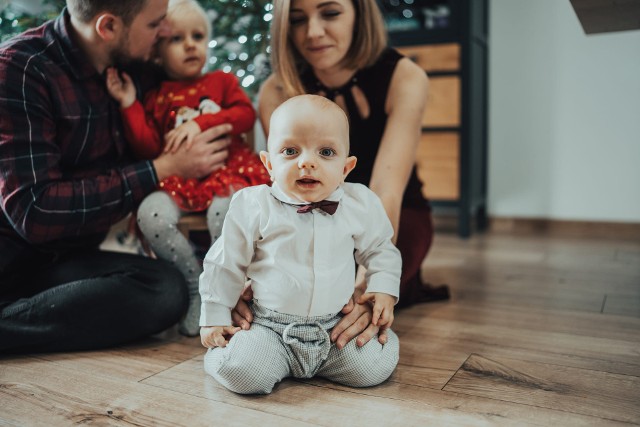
column 208, row 153
column 217, row 336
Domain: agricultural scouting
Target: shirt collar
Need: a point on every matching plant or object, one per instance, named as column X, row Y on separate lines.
column 73, row 55
column 277, row 192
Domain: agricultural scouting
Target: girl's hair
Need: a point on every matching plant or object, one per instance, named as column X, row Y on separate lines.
column 86, row 10
column 369, row 40
column 179, row 8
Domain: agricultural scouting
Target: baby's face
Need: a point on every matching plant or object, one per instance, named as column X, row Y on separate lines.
column 308, row 152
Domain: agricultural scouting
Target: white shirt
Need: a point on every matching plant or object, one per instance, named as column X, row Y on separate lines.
column 298, row 263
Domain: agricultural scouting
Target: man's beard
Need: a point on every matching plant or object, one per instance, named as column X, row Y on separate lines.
column 120, row 56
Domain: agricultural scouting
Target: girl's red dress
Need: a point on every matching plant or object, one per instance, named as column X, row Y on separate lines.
column 213, row 99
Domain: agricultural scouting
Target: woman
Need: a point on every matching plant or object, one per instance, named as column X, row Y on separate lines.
column 338, row 49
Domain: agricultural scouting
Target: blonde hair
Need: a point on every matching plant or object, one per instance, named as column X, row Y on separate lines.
column 178, row 8
column 369, row 40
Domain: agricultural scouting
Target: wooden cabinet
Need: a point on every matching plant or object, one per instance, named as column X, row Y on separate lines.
column 438, row 164
column 451, row 157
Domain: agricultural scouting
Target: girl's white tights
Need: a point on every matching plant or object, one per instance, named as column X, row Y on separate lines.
column 158, row 218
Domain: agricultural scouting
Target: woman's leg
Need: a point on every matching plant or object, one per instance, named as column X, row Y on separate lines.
column 414, row 241
column 90, row 300
column 158, row 217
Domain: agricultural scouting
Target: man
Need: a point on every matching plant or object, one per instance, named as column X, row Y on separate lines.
column 66, row 176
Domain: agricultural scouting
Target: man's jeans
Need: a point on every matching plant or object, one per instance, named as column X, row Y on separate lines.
column 87, row 301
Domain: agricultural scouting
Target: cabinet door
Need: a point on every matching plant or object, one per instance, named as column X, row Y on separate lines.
column 443, row 102
column 440, row 57
column 438, row 165
column 438, row 155
column 443, row 99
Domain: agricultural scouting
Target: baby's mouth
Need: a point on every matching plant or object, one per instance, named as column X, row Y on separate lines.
column 307, row 182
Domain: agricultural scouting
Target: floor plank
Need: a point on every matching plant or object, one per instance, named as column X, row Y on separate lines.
column 601, row 394
column 315, row 403
column 35, row 393
column 624, row 304
column 134, row 362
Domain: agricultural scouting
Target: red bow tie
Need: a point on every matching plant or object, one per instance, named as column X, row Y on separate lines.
column 326, row 205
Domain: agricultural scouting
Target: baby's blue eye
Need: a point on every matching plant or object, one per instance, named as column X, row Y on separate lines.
column 327, row 152
column 289, row 151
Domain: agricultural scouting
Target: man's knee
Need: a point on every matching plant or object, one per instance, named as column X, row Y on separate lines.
column 165, row 289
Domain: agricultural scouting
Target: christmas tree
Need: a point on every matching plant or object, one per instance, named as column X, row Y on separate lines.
column 16, row 17
column 240, row 42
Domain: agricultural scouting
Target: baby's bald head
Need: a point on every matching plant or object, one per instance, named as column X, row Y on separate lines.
column 315, row 113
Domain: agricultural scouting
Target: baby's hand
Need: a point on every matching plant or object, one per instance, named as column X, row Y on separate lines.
column 121, row 87
column 382, row 307
column 183, row 133
column 217, row 336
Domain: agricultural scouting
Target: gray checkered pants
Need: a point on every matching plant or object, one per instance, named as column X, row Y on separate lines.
column 283, row 345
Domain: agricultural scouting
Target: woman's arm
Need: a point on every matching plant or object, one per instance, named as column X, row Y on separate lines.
column 396, row 156
column 405, row 104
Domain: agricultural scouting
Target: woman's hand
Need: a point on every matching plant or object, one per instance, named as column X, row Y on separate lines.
column 357, row 323
column 241, row 314
column 382, row 307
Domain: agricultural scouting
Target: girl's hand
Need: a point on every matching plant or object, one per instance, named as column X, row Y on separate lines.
column 120, row 87
column 182, row 134
column 217, row 336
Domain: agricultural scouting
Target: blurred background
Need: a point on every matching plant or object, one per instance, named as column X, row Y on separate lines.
column 531, row 116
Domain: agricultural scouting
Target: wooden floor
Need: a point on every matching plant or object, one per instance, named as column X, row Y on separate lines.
column 539, row 331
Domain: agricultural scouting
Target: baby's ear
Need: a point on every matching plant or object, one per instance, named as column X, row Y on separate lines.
column 264, row 157
column 349, row 164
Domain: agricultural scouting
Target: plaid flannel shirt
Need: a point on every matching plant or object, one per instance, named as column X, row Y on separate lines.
column 66, row 172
